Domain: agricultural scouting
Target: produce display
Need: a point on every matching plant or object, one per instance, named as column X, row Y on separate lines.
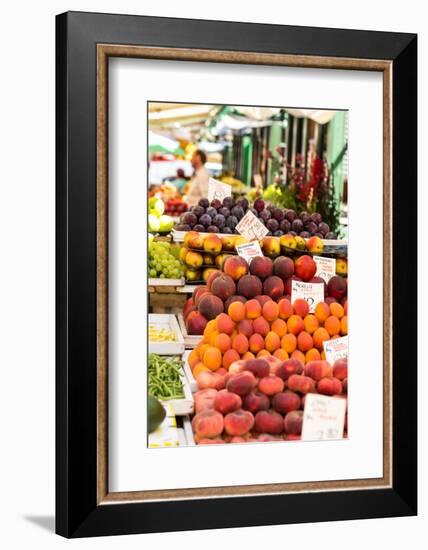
column 165, row 377
column 158, row 222
column 164, row 260
column 175, row 207
column 223, row 217
column 161, row 334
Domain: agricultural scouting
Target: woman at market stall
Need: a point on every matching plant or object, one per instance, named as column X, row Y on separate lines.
column 198, row 185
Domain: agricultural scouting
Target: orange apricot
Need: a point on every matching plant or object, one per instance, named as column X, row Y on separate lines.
column 272, row 341
column 253, row 309
column 261, row 326
column 240, row 343
column 213, row 336
column 301, row 307
column 212, row 358
column 225, row 324
column 337, row 310
column 236, row 311
column 304, row 341
column 344, row 325
column 222, row 342
column 230, row 357
column 280, row 327
column 201, row 349
column 199, row 367
column 256, row 342
column 311, row 323
column 281, row 354
column 193, row 358
column 319, row 336
column 312, row 355
column 289, row 342
column 263, row 353
column 285, row 308
column 248, row 355
column 332, row 325
column 322, row 311
column 295, row 324
column 270, row 310
column 297, row 354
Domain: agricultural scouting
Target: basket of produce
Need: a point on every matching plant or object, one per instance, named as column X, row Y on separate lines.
column 164, row 334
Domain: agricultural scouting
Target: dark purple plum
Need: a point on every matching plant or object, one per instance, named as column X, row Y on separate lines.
column 212, row 229
column 198, row 210
column 238, row 212
column 272, row 225
column 265, row 215
column 216, row 203
column 228, row 202
column 311, row 227
column 285, row 226
column 205, row 219
column 243, row 203
column 232, row 222
column 219, row 220
column 292, row 233
column 254, row 211
column 204, row 203
column 226, row 230
column 331, row 236
column 318, row 234
column 305, row 234
column 211, row 211
column 323, row 228
column 305, row 217
column 199, row 227
column 316, row 218
column 278, row 233
column 297, row 225
column 271, row 208
column 183, row 227
column 189, row 218
column 278, row 214
column 291, row 215
column 224, row 211
column 259, row 205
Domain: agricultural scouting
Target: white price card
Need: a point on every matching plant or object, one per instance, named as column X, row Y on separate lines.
column 336, row 349
column 311, row 292
column 218, row 190
column 251, row 227
column 248, row 251
column 323, row 417
column 326, row 267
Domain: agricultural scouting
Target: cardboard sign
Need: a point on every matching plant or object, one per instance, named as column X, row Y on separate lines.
column 326, row 267
column 323, row 417
column 251, row 228
column 311, row 292
column 336, row 349
column 248, row 251
column 218, row 190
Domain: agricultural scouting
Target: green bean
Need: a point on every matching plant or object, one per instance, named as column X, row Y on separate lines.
column 165, row 377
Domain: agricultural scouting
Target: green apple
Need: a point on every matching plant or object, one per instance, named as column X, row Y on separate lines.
column 156, row 206
column 166, row 223
column 154, row 223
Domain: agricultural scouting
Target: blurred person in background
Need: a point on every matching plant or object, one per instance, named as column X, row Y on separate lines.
column 198, row 185
column 179, row 181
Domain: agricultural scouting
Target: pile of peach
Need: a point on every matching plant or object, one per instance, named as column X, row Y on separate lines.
column 262, row 327
column 261, row 399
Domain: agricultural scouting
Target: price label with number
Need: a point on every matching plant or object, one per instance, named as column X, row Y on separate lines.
column 323, row 417
column 248, row 251
column 326, row 267
column 251, row 228
column 336, row 349
column 311, row 292
column 218, row 190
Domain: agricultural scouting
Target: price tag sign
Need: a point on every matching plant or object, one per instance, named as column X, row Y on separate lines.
column 336, row 349
column 248, row 251
column 218, row 190
column 251, row 228
column 311, row 292
column 323, row 417
column 326, row 267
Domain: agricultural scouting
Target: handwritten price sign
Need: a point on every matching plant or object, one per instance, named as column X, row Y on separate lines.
column 248, row 251
column 218, row 190
column 326, row 267
column 323, row 417
column 251, row 228
column 311, row 292
column 336, row 349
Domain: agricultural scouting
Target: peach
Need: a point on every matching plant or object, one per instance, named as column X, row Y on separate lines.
column 273, row 363
column 285, row 308
column 270, row 310
column 245, row 327
column 253, row 309
column 300, row 383
column 272, row 341
column 236, row 267
column 209, row 379
column 240, row 343
column 269, row 422
column 293, row 422
column 273, row 287
column 212, row 358
column 230, row 357
column 212, row 243
column 320, row 336
column 315, row 245
column 340, row 369
column 223, row 287
column 239, row 422
column 295, row 324
column 208, row 423
column 289, row 367
column 198, row 368
column 318, row 369
column 298, row 355
column 312, row 355
column 279, row 327
column 281, row 354
column 206, row 273
column 208, row 259
column 262, row 299
column 283, row 267
column 222, row 342
column 241, row 383
column 213, row 276
column 249, row 286
column 337, row 287
column 322, row 311
column 288, row 241
column 285, row 402
column 205, row 399
column 228, row 243
column 236, row 367
column 256, row 343
column 337, row 310
column 271, row 384
column 233, row 299
column 261, row 267
column 221, row 371
column 226, row 402
column 311, row 323
column 271, row 247
column 196, row 323
column 301, row 307
column 305, row 267
column 193, row 239
column 344, row 325
column 304, row 341
column 330, row 300
column 189, row 305
column 261, row 326
column 225, row 324
column 329, row 386
column 210, row 306
column 199, row 292
column 289, row 343
column 182, row 254
column 332, row 325
column 259, row 367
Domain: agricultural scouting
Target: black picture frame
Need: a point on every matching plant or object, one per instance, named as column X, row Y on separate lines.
column 78, row 513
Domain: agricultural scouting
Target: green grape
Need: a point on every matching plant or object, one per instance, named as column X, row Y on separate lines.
column 153, row 273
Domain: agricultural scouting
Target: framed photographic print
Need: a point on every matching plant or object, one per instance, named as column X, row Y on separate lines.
column 230, row 199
